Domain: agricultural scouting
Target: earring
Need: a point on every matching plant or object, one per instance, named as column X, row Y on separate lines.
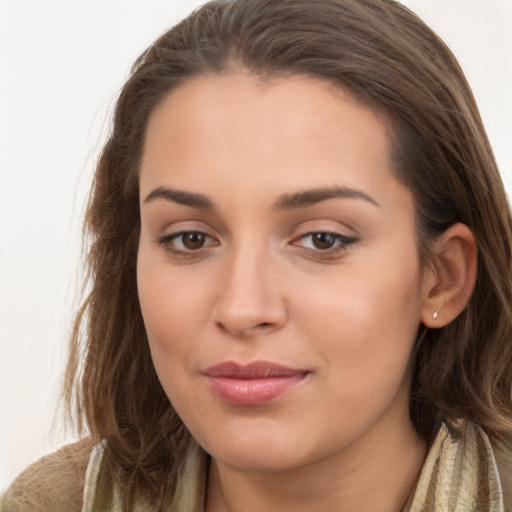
column 436, row 314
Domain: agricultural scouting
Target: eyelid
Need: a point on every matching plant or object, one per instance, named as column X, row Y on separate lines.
column 324, row 225
column 169, row 240
column 168, row 228
column 173, row 236
column 342, row 239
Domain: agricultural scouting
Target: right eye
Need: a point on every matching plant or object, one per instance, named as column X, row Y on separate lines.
column 187, row 241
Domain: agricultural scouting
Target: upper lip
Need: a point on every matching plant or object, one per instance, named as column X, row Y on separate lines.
column 255, row 370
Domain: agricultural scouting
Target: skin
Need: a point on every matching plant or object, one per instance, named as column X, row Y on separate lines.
column 260, row 289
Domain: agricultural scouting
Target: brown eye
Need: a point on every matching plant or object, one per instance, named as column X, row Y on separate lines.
column 193, row 240
column 187, row 242
column 323, row 241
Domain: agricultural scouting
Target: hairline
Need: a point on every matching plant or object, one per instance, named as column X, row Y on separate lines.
column 393, row 124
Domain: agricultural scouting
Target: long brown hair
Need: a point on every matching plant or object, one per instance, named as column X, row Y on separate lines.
column 384, row 55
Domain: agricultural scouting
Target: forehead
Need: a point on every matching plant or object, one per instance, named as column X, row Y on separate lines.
column 243, row 131
column 301, row 101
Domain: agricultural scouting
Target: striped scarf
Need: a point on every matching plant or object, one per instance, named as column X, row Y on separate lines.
column 459, row 475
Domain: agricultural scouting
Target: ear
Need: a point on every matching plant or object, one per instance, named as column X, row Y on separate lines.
column 450, row 277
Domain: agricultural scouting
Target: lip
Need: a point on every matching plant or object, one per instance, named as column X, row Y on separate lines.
column 253, row 384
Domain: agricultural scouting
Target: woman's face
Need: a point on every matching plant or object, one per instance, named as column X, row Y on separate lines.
column 278, row 271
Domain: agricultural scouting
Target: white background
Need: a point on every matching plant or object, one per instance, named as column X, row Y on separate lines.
column 62, row 63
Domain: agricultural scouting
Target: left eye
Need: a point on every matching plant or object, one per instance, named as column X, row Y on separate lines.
column 323, row 241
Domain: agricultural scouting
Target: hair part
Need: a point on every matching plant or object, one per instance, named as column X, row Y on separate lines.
column 385, row 56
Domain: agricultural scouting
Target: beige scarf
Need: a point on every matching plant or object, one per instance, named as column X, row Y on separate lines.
column 459, row 475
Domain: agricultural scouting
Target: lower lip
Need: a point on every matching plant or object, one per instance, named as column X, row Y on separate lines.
column 252, row 392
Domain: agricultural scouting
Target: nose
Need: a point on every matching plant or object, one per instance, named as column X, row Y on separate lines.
column 251, row 299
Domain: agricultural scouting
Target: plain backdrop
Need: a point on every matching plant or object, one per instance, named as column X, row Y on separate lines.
column 62, row 63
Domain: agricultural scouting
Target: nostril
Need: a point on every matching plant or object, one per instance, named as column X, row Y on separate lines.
column 243, row 331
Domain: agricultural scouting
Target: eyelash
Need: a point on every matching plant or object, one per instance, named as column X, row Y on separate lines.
column 168, row 241
column 340, row 243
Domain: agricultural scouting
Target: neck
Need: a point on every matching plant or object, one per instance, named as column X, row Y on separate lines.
column 377, row 472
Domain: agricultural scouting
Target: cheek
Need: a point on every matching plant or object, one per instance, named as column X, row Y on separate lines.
column 365, row 323
column 174, row 312
column 366, row 297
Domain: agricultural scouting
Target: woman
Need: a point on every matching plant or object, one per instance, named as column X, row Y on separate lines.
column 301, row 268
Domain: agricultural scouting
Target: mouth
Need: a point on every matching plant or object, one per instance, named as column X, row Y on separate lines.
column 254, row 384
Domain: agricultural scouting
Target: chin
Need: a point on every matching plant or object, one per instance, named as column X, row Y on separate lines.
column 260, row 450
column 260, row 460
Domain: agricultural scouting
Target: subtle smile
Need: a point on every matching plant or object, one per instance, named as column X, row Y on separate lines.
column 255, row 384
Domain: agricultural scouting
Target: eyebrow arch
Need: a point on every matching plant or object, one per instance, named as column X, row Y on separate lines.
column 317, row 195
column 181, row 197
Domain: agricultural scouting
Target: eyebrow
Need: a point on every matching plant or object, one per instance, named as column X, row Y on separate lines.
column 310, row 197
column 181, row 197
column 300, row 199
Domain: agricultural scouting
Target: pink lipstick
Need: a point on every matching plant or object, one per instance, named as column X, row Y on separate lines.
column 254, row 384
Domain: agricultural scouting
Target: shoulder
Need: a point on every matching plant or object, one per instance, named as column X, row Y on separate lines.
column 54, row 483
column 504, row 463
